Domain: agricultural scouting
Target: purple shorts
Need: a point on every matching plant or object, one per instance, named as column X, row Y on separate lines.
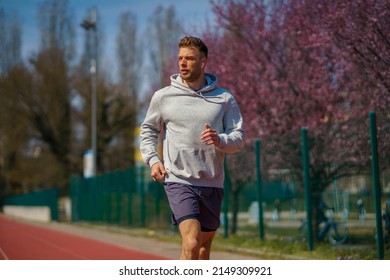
column 191, row 202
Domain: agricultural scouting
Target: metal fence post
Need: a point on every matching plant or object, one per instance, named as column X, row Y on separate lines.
column 142, row 197
column 259, row 187
column 376, row 185
column 131, row 175
column 307, row 187
column 226, row 201
column 116, row 180
column 157, row 188
column 75, row 197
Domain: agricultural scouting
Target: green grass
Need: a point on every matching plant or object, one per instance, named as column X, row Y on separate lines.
column 286, row 243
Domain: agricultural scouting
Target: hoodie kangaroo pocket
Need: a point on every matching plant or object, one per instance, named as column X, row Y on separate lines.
column 198, row 163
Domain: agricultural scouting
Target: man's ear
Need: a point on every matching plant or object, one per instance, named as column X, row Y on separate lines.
column 204, row 60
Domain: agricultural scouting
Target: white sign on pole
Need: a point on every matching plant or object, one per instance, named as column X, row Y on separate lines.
column 88, row 164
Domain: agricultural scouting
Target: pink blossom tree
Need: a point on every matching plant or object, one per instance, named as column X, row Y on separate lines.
column 316, row 64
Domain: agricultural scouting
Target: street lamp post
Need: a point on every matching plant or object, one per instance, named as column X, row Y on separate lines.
column 90, row 25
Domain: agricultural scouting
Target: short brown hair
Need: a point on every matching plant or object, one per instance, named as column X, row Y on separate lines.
column 190, row 41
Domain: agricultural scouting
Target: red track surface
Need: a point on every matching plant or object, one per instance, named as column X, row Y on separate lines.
column 20, row 241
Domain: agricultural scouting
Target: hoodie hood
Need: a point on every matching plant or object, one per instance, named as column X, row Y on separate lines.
column 211, row 83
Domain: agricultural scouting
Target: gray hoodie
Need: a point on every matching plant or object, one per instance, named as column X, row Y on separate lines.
column 181, row 113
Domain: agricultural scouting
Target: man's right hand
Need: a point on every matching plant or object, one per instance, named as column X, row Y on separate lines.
column 157, row 171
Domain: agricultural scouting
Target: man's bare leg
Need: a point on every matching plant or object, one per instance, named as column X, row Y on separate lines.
column 190, row 234
column 205, row 245
column 195, row 243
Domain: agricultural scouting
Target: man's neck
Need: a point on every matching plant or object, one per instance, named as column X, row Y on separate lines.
column 198, row 84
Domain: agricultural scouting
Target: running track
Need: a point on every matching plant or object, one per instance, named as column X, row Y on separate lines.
column 21, row 241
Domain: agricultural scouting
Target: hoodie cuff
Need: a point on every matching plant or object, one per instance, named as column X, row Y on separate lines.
column 222, row 141
column 153, row 160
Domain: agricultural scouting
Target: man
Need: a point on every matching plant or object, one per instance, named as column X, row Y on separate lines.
column 200, row 123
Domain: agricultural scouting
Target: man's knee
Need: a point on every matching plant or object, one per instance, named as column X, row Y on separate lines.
column 190, row 244
column 190, row 249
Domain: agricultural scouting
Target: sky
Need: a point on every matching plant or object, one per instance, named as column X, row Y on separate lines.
column 190, row 12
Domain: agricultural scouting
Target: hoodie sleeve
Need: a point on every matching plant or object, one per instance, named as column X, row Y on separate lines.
column 232, row 139
column 150, row 130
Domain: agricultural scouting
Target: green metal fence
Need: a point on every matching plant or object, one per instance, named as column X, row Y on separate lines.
column 340, row 170
column 47, row 197
column 125, row 197
column 270, row 187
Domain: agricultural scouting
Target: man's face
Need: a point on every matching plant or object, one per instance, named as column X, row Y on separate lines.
column 190, row 64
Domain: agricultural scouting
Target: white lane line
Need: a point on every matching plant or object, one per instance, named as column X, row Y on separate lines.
column 2, row 253
column 58, row 247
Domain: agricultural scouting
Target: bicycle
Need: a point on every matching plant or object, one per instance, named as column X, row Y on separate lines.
column 386, row 219
column 335, row 232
